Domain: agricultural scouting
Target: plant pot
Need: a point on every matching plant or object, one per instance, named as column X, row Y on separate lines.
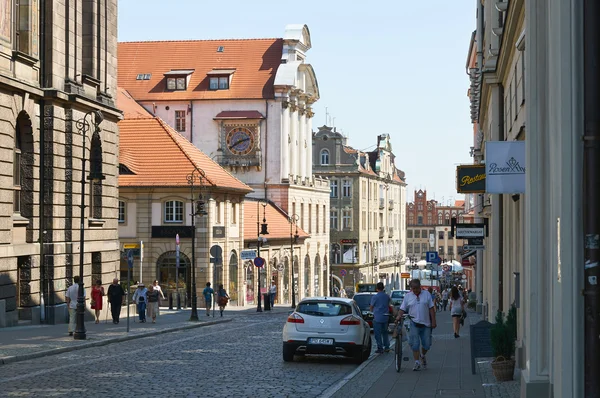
column 504, row 369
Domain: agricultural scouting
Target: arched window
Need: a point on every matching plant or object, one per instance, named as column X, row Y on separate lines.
column 23, row 174
column 169, row 273
column 316, row 274
column 324, row 157
column 233, row 277
column 306, row 276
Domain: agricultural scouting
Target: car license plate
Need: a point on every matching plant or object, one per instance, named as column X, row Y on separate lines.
column 314, row 340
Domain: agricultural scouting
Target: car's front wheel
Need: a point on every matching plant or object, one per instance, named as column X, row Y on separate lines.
column 288, row 353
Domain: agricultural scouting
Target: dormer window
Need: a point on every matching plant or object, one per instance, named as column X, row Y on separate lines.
column 219, row 83
column 178, row 79
column 176, row 83
column 220, row 79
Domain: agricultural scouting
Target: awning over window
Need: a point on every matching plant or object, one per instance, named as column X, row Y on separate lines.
column 179, row 72
column 220, row 72
column 239, row 115
column 469, row 254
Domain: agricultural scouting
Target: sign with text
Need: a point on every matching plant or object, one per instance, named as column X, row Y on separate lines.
column 248, row 254
column 505, row 167
column 467, row 231
column 168, row 231
column 470, row 178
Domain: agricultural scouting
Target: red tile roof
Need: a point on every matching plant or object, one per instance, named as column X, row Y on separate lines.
column 160, row 156
column 131, row 109
column 277, row 220
column 239, row 115
column 459, row 203
column 255, row 62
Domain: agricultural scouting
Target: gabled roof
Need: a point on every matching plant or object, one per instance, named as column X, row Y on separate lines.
column 131, row 109
column 160, row 156
column 255, row 62
column 277, row 220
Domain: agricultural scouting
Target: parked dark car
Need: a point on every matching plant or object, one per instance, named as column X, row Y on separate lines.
column 363, row 301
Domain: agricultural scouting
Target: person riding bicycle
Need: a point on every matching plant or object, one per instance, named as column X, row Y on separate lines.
column 418, row 304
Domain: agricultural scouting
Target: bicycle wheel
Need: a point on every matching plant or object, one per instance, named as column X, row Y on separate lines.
column 398, row 352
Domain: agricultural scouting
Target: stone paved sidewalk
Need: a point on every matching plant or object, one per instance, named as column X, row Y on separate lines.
column 20, row 343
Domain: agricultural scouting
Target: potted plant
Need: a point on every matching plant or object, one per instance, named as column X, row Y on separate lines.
column 503, row 335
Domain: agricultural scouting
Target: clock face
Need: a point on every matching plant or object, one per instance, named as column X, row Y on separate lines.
column 240, row 141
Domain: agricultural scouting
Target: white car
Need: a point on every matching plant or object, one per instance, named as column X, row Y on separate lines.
column 327, row 325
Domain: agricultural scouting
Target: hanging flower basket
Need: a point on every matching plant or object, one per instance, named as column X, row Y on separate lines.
column 503, row 369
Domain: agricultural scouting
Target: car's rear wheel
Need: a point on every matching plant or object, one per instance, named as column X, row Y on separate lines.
column 288, row 353
column 362, row 353
column 367, row 352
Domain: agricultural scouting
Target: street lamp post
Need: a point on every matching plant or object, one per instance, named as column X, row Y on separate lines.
column 262, row 230
column 95, row 174
column 293, row 239
column 198, row 209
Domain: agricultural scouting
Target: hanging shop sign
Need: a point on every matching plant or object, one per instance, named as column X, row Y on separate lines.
column 505, row 167
column 470, row 178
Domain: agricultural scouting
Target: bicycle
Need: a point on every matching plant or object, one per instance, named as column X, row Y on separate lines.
column 400, row 327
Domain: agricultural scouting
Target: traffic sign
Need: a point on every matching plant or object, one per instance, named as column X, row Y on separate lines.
column 343, row 272
column 431, row 257
column 259, row 261
column 248, row 254
column 130, row 259
column 216, row 251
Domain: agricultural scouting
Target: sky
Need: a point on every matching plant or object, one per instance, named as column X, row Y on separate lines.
column 383, row 67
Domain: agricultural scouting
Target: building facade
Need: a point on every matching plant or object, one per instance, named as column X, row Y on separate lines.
column 526, row 63
column 428, row 228
column 248, row 105
column 367, row 209
column 53, row 80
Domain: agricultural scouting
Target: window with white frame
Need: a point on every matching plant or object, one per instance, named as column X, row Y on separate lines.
column 122, row 214
column 180, row 117
column 324, row 157
column 347, row 189
column 346, row 219
column 174, row 211
column 333, row 219
column 176, row 83
column 334, row 188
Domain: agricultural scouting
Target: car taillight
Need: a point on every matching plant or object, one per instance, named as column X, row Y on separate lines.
column 350, row 320
column 295, row 318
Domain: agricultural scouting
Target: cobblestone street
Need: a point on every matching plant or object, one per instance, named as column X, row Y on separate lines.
column 241, row 358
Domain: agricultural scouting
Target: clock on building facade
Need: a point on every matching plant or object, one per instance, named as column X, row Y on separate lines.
column 240, row 141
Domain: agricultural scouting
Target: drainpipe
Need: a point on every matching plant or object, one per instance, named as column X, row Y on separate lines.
column 479, row 198
column 42, row 80
column 501, row 208
column 192, row 121
column 591, row 193
column 266, row 143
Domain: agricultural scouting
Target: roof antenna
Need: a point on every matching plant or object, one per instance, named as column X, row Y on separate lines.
column 326, row 116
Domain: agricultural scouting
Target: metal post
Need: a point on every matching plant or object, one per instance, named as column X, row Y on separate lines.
column 127, row 294
column 591, row 193
column 196, row 174
column 83, row 126
column 293, row 220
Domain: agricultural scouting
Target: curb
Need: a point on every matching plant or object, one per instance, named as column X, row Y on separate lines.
column 39, row 354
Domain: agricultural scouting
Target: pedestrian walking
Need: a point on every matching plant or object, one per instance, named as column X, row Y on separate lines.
column 115, row 298
column 272, row 293
column 71, row 299
column 97, row 298
column 152, row 306
column 418, row 304
column 380, row 304
column 222, row 298
column 208, row 297
column 445, row 295
column 336, row 291
column 457, row 306
column 139, row 297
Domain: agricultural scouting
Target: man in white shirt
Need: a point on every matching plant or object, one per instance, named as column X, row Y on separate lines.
column 71, row 299
column 419, row 305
